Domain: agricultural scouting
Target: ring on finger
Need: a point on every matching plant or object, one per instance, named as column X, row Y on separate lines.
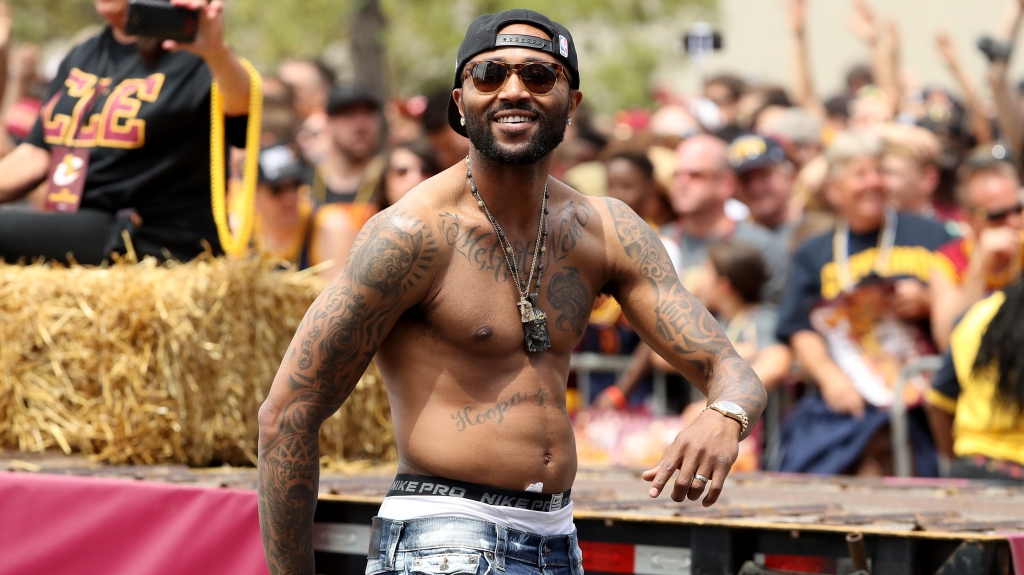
column 699, row 477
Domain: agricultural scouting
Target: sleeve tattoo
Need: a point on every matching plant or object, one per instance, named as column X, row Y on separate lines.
column 682, row 327
column 332, row 347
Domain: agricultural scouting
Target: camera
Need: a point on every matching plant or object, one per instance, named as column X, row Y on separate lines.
column 995, row 50
column 161, row 20
column 701, row 40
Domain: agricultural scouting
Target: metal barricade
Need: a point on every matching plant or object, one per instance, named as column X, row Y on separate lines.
column 588, row 362
column 901, row 449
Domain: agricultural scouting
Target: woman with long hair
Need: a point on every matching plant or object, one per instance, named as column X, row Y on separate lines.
column 976, row 404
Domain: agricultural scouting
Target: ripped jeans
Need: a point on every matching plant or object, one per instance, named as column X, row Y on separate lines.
column 461, row 546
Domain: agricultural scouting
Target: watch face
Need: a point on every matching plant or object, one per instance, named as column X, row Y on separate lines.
column 731, row 407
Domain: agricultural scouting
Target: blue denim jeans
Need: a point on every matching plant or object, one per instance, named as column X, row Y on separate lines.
column 460, row 546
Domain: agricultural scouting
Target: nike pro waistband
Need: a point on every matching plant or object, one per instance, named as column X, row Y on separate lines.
column 410, row 484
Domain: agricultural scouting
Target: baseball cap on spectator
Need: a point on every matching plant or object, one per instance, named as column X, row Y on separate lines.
column 751, row 152
column 279, row 164
column 345, row 96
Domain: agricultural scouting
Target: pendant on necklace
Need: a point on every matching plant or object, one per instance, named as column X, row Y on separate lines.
column 535, row 326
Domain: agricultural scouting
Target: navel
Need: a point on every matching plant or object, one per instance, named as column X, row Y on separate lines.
column 484, row 333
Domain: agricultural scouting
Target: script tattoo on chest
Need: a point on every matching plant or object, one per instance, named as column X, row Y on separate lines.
column 479, row 245
column 569, row 229
column 466, row 417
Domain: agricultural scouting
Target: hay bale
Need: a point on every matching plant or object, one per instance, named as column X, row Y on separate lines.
column 146, row 363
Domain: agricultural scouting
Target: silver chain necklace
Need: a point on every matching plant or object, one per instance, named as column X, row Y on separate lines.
column 535, row 326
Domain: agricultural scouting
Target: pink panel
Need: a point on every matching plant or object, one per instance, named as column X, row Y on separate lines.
column 88, row 526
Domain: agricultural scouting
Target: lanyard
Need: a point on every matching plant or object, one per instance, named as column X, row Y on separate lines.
column 841, row 249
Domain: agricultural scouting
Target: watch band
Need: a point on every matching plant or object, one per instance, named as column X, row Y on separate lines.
column 739, row 417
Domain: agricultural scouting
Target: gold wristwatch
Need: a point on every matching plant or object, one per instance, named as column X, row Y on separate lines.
column 732, row 411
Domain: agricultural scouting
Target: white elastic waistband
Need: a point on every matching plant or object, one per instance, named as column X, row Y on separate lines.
column 419, row 506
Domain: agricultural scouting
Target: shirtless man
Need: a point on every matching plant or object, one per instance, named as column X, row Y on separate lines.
column 475, row 370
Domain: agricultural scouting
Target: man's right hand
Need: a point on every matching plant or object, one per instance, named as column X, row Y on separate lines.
column 841, row 396
column 998, row 247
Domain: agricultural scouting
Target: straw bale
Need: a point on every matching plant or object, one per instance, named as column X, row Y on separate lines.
column 144, row 363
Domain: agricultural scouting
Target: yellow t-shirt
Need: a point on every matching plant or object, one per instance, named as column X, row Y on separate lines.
column 977, row 428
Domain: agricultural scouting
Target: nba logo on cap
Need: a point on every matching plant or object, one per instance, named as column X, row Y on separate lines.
column 563, row 46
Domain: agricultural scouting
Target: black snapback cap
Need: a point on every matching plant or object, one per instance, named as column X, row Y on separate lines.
column 344, row 96
column 482, row 36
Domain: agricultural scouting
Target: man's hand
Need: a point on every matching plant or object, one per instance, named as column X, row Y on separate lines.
column 911, row 301
column 707, row 447
column 998, row 248
column 798, row 17
column 841, row 396
column 863, row 22
column 946, row 49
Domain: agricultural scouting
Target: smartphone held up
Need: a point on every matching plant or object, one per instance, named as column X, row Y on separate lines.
column 161, row 20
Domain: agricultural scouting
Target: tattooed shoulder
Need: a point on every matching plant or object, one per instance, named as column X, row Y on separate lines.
column 568, row 227
column 395, row 250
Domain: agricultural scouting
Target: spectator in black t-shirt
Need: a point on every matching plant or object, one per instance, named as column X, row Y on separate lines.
column 146, row 138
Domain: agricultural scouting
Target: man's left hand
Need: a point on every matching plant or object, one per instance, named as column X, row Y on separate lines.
column 210, row 35
column 707, row 447
column 911, row 301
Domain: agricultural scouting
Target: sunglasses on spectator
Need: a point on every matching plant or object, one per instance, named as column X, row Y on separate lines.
column 538, row 78
column 1000, row 215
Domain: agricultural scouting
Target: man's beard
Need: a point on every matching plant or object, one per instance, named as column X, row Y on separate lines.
column 550, row 132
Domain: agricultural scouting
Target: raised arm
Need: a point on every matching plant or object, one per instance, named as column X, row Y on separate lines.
column 678, row 328
column 212, row 47
column 883, row 42
column 1008, row 115
column 389, row 271
column 802, row 78
column 980, row 126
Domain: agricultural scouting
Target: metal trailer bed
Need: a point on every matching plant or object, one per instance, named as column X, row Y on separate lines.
column 909, row 526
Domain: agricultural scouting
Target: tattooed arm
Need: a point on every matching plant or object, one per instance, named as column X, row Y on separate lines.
column 390, row 270
column 679, row 329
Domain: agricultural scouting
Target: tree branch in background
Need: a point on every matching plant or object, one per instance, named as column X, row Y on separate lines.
column 1008, row 113
column 980, row 126
column 803, row 88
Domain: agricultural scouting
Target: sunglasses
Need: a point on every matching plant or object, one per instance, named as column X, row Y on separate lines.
column 1000, row 215
column 538, row 78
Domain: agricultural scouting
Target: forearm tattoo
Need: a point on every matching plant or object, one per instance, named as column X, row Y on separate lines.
column 333, row 345
column 682, row 322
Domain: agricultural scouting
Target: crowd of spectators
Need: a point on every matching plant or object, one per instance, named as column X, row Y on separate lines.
column 838, row 241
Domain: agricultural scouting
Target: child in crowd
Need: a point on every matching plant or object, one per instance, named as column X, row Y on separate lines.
column 730, row 288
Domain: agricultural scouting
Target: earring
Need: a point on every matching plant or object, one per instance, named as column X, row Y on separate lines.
column 462, row 120
column 568, row 122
